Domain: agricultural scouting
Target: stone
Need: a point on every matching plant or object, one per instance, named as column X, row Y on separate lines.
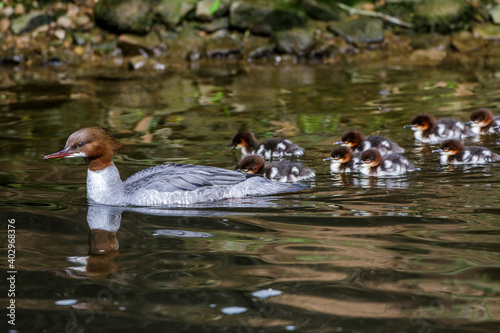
column 465, row 42
column 495, row 14
column 19, row 9
column 443, row 15
column 207, row 10
column 134, row 16
column 294, row 41
column 263, row 17
column 362, row 30
column 322, row 11
column 82, row 20
column 488, row 31
column 429, row 57
column 222, row 45
column 7, row 11
column 4, row 24
column 172, row 12
column 215, row 25
column 29, row 22
column 137, row 45
column 427, row 41
column 60, row 34
column 80, row 38
column 64, row 22
column 78, row 50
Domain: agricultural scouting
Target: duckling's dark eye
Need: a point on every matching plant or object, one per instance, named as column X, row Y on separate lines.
column 336, row 157
column 446, row 148
column 80, row 144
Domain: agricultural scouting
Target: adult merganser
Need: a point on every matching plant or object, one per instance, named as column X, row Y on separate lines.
column 343, row 159
column 373, row 164
column 454, row 152
column 276, row 147
column 167, row 184
column 482, row 121
column 427, row 129
column 283, row 171
column 358, row 143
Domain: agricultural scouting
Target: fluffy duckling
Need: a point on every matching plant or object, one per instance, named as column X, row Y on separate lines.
column 276, row 147
column 373, row 164
column 482, row 121
column 343, row 159
column 429, row 130
column 454, row 152
column 358, row 143
column 282, row 171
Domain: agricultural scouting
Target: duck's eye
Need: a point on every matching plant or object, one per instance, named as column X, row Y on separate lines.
column 80, row 144
column 446, row 149
column 367, row 161
column 336, row 157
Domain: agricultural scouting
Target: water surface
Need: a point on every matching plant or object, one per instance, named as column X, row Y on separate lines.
column 416, row 253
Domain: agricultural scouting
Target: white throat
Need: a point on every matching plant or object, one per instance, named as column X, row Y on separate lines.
column 105, row 186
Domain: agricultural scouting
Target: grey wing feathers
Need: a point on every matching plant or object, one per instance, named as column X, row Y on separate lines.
column 173, row 177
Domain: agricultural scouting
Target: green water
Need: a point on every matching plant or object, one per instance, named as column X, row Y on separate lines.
column 416, row 253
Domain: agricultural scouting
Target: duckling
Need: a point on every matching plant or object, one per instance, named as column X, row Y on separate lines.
column 358, row 143
column 343, row 159
column 482, row 121
column 282, row 171
column 373, row 164
column 276, row 147
column 429, row 130
column 454, row 152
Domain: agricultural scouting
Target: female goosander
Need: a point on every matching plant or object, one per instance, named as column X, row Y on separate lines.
column 270, row 148
column 482, row 121
column 358, row 143
column 282, row 171
column 454, row 152
column 373, row 164
column 343, row 159
column 167, row 184
column 427, row 129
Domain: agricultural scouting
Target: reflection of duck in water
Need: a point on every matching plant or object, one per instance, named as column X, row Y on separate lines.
column 276, row 147
column 163, row 185
column 104, row 222
column 282, row 171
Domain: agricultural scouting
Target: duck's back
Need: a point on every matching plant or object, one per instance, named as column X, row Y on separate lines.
column 395, row 164
column 383, row 144
column 474, row 155
column 278, row 148
column 447, row 128
column 285, row 171
column 182, row 184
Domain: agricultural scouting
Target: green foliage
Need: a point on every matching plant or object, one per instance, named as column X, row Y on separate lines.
column 214, row 7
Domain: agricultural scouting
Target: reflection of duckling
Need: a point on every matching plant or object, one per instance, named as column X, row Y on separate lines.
column 358, row 143
column 343, row 160
column 482, row 121
column 427, row 129
column 373, row 164
column 454, row 152
column 283, row 171
column 276, row 147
